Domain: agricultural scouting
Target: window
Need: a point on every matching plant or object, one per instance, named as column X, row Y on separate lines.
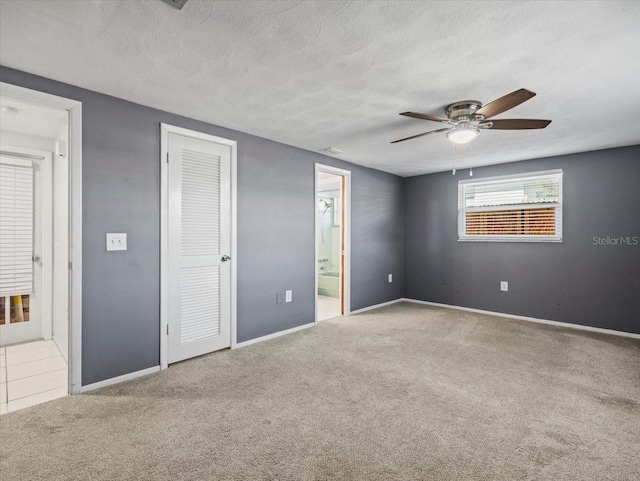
column 517, row 208
column 16, row 225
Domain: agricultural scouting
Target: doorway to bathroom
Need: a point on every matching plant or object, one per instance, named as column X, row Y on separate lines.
column 332, row 229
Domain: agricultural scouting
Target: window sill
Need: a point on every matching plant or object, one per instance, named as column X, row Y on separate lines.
column 510, row 239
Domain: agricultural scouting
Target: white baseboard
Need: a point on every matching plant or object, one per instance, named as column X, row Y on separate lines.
column 272, row 336
column 530, row 319
column 377, row 306
column 116, row 380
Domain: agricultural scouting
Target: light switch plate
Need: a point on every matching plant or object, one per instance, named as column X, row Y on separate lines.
column 288, row 296
column 504, row 286
column 117, row 242
column 390, row 277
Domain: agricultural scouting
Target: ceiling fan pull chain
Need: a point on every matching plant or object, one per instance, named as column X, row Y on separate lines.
column 453, row 172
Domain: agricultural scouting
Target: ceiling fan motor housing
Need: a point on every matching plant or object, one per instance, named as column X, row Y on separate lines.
column 463, row 110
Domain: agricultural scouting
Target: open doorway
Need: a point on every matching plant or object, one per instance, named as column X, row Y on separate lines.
column 332, row 220
column 34, row 253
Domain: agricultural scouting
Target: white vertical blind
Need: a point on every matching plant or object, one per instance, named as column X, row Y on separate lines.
column 16, row 227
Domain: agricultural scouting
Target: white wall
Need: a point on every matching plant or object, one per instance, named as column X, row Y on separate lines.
column 61, row 254
column 27, row 141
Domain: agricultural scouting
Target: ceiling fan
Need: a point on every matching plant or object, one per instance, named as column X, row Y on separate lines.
column 468, row 117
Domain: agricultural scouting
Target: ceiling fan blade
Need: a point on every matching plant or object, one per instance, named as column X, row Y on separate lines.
column 505, row 103
column 518, row 124
column 416, row 115
column 421, row 135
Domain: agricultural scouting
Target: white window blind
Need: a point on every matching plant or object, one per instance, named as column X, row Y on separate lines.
column 16, row 227
column 511, row 208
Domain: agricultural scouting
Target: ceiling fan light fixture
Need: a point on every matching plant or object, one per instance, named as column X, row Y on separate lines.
column 462, row 135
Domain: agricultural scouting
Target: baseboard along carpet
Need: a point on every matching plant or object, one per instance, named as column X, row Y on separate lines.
column 406, row 392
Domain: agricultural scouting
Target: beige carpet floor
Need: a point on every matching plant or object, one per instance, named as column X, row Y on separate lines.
column 407, row 392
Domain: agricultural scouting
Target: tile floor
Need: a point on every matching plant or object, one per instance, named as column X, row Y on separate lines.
column 30, row 374
column 328, row 307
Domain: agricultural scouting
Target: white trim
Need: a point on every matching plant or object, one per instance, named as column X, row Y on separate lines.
column 526, row 318
column 483, row 180
column 119, row 379
column 377, row 306
column 164, row 246
column 47, row 246
column 234, row 244
column 273, row 336
column 347, row 236
column 509, row 238
column 165, row 130
column 74, row 108
column 462, row 210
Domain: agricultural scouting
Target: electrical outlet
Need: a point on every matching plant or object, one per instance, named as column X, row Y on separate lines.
column 504, row 286
column 279, row 298
column 288, row 296
column 117, row 242
column 390, row 277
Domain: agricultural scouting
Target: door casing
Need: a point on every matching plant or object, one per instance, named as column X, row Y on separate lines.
column 74, row 107
column 165, row 130
column 346, row 237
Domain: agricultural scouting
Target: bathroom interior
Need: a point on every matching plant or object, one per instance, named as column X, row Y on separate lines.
column 328, row 255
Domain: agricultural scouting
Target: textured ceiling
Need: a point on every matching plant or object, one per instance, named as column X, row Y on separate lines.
column 336, row 73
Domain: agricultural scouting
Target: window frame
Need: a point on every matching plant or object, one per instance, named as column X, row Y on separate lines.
column 557, row 237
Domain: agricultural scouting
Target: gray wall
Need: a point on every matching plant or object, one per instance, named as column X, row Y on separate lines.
column 574, row 281
column 276, row 206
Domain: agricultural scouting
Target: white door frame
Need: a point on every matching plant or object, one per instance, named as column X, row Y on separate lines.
column 347, row 235
column 74, row 107
column 165, row 130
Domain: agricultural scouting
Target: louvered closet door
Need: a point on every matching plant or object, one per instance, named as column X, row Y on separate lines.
column 199, row 238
